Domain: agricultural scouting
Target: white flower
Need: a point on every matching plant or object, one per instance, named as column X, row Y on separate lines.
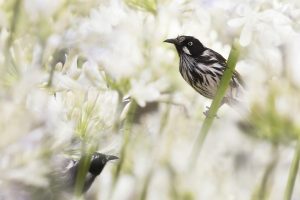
column 255, row 21
column 143, row 92
column 65, row 83
column 108, row 103
column 291, row 50
column 94, row 75
column 37, row 9
column 110, row 37
column 37, row 169
column 125, row 188
column 126, row 45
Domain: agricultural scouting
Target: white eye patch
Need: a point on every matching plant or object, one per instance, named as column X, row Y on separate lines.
column 181, row 39
column 186, row 50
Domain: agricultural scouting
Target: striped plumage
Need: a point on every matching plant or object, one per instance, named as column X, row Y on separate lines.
column 202, row 68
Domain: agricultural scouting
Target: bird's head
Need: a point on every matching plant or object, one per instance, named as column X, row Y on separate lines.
column 98, row 162
column 187, row 45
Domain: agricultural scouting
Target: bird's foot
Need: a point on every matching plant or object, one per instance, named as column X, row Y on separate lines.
column 207, row 111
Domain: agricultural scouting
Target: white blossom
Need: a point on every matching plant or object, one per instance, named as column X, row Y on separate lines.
column 115, row 51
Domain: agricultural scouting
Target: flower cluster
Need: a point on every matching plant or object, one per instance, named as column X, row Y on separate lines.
column 83, row 76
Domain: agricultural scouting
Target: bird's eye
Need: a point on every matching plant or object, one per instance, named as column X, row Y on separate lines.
column 190, row 44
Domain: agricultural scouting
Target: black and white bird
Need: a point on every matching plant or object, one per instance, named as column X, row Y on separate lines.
column 202, row 68
column 62, row 180
column 97, row 164
column 65, row 182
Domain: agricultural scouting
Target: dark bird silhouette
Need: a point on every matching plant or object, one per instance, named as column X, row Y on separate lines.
column 97, row 164
column 63, row 180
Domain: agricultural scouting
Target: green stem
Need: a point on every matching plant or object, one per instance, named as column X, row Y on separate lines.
column 163, row 124
column 224, row 83
column 127, row 127
column 292, row 174
column 13, row 26
column 146, row 185
column 84, row 164
column 14, row 21
column 263, row 189
column 127, row 132
column 51, row 74
column 165, row 118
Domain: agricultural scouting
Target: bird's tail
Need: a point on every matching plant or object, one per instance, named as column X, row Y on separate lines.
column 236, row 104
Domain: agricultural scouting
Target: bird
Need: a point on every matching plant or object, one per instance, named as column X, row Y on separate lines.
column 68, row 177
column 202, row 68
column 97, row 164
column 62, row 180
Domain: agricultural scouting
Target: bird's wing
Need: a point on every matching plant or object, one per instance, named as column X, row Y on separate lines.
column 210, row 57
column 219, row 57
column 237, row 79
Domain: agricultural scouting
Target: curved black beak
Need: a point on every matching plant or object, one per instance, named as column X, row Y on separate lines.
column 172, row 41
column 110, row 157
